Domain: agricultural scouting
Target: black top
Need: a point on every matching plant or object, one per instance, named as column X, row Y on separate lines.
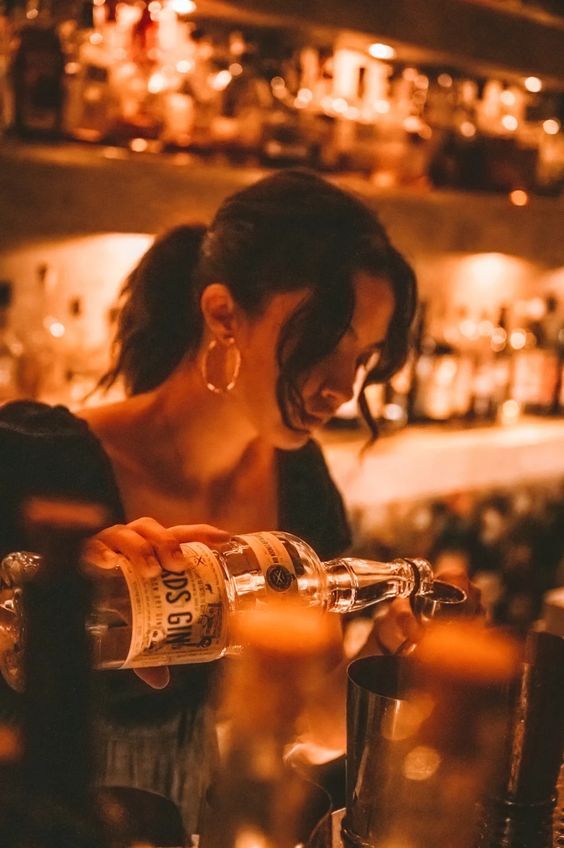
column 47, row 451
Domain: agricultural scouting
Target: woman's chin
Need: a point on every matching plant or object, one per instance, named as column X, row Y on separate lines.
column 287, row 439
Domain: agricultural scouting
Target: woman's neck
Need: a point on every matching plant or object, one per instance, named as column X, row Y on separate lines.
column 207, row 434
column 181, row 433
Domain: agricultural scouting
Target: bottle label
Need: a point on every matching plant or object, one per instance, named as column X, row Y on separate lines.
column 274, row 560
column 178, row 617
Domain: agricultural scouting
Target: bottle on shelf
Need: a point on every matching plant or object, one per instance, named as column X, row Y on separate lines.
column 502, row 362
column 11, row 349
column 483, row 397
column 5, row 88
column 83, row 359
column 42, row 373
column 91, row 100
column 437, row 367
column 37, row 71
column 553, row 338
column 187, row 617
column 536, row 370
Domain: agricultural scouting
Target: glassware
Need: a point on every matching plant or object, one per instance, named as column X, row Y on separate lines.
column 186, row 617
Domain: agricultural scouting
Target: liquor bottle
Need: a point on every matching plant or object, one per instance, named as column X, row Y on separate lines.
column 536, row 374
column 91, row 104
column 519, row 812
column 83, row 359
column 436, row 372
column 11, row 349
column 42, row 368
column 5, row 89
column 37, row 78
column 57, row 769
column 186, row 617
column 502, row 361
column 259, row 798
column 11, row 793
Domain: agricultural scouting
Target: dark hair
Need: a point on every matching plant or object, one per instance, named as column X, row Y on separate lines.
column 288, row 231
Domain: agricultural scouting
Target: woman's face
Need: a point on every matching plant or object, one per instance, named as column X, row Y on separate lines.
column 329, row 383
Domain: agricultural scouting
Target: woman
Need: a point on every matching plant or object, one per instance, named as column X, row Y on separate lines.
column 234, row 344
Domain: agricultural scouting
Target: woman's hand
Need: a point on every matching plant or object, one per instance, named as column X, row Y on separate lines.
column 149, row 547
column 398, row 630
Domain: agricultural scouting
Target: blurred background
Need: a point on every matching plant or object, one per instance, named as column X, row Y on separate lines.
column 120, row 119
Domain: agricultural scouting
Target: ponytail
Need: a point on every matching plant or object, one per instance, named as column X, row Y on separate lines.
column 159, row 319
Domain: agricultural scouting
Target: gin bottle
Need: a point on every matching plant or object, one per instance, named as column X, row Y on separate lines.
column 187, row 617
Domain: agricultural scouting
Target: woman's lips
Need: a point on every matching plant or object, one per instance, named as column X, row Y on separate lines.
column 315, row 420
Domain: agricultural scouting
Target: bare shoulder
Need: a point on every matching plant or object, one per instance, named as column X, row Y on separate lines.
column 107, row 418
column 119, row 426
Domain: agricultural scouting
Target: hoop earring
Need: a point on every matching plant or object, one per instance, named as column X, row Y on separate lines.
column 230, row 385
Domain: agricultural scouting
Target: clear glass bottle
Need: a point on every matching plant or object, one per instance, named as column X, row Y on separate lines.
column 187, row 617
column 11, row 349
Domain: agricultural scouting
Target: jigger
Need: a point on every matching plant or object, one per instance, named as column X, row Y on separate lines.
column 443, row 601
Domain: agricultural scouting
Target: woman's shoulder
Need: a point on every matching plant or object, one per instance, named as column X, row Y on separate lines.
column 49, row 451
column 29, row 419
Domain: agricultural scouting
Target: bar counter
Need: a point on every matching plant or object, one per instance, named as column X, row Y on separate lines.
column 433, row 460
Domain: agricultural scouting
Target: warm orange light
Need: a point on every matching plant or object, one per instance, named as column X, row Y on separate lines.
column 507, row 97
column 183, row 7
column 157, row 83
column 510, row 412
column 510, row 122
column 139, row 145
column 184, row 66
column 533, row 84
column 221, row 80
column 467, row 129
column 551, row 126
column 518, row 197
column 518, row 339
column 382, row 107
column 381, row 51
column 56, row 329
column 445, row 80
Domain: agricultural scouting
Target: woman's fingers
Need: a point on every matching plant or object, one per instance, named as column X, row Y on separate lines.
column 205, row 533
column 95, row 552
column 129, row 543
column 148, row 545
column 157, row 677
column 398, row 626
column 165, row 545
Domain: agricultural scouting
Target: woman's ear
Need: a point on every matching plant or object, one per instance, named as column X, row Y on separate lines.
column 218, row 308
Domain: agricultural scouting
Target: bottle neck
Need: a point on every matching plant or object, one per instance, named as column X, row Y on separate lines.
column 354, row 583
